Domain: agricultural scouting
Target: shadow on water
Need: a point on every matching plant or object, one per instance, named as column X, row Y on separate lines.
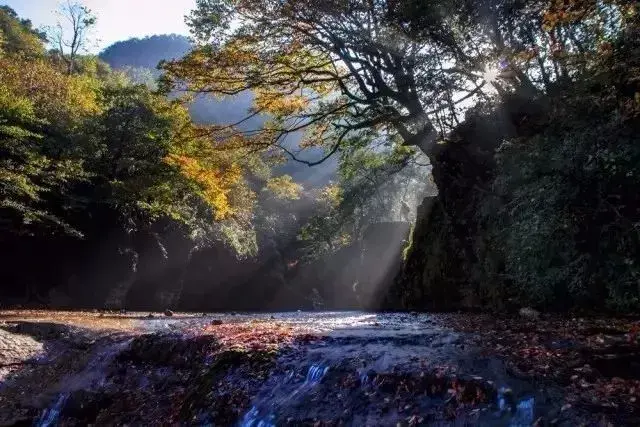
column 72, row 359
column 290, row 400
column 361, row 369
column 367, row 375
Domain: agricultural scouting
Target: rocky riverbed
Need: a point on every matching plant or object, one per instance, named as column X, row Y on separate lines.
column 316, row 369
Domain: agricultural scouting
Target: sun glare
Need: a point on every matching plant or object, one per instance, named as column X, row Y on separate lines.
column 491, row 74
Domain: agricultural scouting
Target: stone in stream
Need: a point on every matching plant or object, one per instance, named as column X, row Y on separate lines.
column 168, row 313
column 216, row 322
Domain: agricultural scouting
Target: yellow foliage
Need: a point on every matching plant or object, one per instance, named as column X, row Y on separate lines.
column 215, row 184
column 63, row 100
column 331, row 195
column 283, row 187
column 15, row 37
column 278, row 103
column 566, row 12
column 315, row 135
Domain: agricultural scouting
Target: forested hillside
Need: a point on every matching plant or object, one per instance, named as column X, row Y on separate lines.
column 147, row 52
column 512, row 124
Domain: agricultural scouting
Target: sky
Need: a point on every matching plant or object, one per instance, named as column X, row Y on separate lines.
column 117, row 19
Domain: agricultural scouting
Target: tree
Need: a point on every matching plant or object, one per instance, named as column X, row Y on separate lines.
column 69, row 36
column 41, row 111
column 17, row 35
column 333, row 69
column 88, row 140
column 408, row 69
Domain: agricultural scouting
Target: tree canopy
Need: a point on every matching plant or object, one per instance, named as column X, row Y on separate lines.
column 75, row 140
column 406, row 69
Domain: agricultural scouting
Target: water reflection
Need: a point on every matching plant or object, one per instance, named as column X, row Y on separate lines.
column 50, row 416
column 252, row 419
column 520, row 414
column 315, row 374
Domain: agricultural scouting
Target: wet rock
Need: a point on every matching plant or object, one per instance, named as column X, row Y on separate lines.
column 84, row 406
column 216, row 322
column 168, row 313
column 150, row 316
column 529, row 313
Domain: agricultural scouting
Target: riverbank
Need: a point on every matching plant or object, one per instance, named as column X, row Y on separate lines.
column 316, row 369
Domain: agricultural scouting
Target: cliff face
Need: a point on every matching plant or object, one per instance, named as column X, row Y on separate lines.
column 537, row 207
column 446, row 265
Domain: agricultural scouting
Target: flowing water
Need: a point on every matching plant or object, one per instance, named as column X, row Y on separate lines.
column 390, row 358
column 50, row 416
column 363, row 369
column 90, row 378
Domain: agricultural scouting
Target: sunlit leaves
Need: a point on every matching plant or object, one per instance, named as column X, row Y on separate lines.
column 284, row 188
column 17, row 36
column 135, row 152
column 279, row 104
column 63, row 100
column 214, row 184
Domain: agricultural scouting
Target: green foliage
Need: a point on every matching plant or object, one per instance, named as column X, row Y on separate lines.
column 568, row 218
column 17, row 35
column 26, row 173
column 75, row 143
column 375, row 185
column 547, row 214
column 327, row 230
column 569, row 228
column 409, row 244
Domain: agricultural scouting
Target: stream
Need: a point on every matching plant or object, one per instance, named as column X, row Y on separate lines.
column 356, row 369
